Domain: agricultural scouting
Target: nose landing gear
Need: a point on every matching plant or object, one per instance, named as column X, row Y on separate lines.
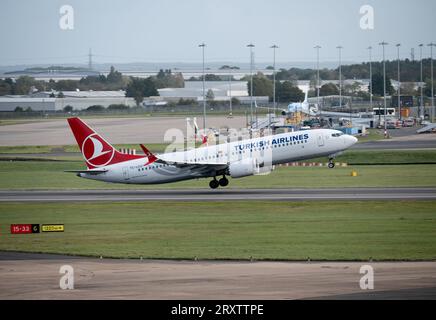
column 331, row 163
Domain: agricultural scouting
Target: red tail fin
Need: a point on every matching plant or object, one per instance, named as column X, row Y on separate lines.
column 96, row 151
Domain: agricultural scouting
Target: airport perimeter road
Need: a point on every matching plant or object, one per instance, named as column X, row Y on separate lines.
column 33, row 276
column 222, row 195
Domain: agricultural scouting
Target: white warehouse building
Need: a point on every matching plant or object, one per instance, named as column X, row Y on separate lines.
column 79, row 100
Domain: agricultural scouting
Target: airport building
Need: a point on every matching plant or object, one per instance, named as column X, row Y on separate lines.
column 80, row 100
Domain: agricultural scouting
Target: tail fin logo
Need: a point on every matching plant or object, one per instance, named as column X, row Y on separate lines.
column 97, row 151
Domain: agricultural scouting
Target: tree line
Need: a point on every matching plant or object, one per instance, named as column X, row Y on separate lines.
column 409, row 71
column 114, row 81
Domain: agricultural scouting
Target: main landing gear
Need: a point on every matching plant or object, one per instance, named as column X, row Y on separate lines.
column 331, row 163
column 223, row 182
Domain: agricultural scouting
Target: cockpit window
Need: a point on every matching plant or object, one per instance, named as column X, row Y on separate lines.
column 337, row 134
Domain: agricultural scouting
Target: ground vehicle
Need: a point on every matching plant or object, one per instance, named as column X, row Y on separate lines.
column 393, row 124
column 408, row 123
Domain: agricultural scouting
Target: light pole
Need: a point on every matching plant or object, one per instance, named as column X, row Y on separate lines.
column 398, row 45
column 251, row 46
column 340, row 75
column 421, row 111
column 317, row 75
column 370, row 78
column 431, row 45
column 204, row 96
column 383, row 44
column 274, row 47
column 230, row 91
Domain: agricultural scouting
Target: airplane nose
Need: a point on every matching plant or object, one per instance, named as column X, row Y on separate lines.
column 351, row 140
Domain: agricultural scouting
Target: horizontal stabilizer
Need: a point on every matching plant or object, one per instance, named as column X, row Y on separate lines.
column 92, row 172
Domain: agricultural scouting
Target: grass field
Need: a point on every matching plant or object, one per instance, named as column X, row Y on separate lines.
column 49, row 175
column 232, row 230
column 372, row 135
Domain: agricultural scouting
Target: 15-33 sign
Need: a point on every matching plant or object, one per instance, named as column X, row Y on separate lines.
column 24, row 228
column 36, row 228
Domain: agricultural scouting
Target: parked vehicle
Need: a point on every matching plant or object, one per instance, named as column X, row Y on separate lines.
column 408, row 123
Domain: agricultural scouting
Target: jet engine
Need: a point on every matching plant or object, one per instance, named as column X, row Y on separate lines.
column 244, row 168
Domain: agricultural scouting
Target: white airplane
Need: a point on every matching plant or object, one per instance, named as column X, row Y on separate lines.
column 314, row 111
column 302, row 107
column 235, row 159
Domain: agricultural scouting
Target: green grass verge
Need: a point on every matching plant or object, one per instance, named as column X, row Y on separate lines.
column 388, row 156
column 360, row 230
column 372, row 135
column 50, row 175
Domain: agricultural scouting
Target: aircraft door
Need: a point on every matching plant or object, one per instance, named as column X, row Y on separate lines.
column 320, row 140
column 125, row 173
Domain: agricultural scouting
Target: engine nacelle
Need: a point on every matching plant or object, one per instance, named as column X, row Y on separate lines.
column 243, row 168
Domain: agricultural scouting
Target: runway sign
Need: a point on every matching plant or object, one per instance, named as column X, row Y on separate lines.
column 52, row 228
column 24, row 228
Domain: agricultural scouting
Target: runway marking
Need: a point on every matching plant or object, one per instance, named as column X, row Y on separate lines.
column 338, row 194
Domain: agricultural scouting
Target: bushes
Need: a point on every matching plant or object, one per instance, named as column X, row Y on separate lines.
column 95, row 108
column 118, row 107
column 187, row 102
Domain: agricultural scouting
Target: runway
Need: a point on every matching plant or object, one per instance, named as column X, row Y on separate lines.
column 221, row 195
column 395, row 145
column 401, row 139
column 35, row 276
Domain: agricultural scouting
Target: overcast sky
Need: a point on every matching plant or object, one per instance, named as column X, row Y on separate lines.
column 170, row 30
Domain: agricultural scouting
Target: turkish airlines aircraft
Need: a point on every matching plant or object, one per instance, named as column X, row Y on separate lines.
column 235, row 159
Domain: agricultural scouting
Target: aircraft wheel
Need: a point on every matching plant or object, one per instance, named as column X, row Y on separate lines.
column 224, row 182
column 214, row 184
column 331, row 165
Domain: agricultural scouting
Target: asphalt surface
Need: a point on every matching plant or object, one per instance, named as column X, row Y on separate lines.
column 115, row 130
column 153, row 130
column 222, row 195
column 35, row 276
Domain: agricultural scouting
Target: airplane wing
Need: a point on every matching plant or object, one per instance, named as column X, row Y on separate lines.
column 180, row 162
column 184, row 163
column 339, row 114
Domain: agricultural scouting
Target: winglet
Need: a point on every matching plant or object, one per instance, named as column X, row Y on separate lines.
column 151, row 157
column 204, row 140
